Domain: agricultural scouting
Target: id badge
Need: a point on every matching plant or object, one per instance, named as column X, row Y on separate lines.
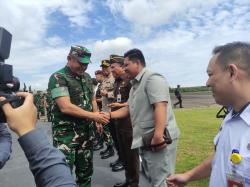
column 119, row 98
column 234, row 180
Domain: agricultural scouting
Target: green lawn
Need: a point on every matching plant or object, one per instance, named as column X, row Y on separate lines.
column 198, row 127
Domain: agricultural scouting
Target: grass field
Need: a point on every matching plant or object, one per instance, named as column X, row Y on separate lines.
column 198, row 127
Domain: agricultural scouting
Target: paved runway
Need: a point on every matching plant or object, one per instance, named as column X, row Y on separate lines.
column 16, row 172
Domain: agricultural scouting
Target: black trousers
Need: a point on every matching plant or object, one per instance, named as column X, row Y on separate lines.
column 114, row 134
column 130, row 157
column 179, row 102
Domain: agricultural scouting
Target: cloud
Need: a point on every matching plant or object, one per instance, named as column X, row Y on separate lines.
column 114, row 46
column 55, row 40
column 33, row 50
column 176, row 37
column 145, row 15
column 76, row 11
column 102, row 49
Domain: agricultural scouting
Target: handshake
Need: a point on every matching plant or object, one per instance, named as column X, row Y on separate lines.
column 101, row 117
column 104, row 117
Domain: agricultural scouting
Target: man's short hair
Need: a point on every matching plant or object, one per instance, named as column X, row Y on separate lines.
column 234, row 53
column 98, row 72
column 135, row 54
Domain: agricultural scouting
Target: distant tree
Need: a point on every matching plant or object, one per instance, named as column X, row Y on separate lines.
column 24, row 87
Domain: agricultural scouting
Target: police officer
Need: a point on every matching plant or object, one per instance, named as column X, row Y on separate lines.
column 99, row 136
column 107, row 93
column 73, row 113
column 129, row 157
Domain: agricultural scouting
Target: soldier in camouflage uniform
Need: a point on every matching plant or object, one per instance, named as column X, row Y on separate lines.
column 38, row 104
column 49, row 105
column 74, row 111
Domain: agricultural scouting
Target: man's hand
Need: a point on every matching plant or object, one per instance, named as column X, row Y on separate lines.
column 104, row 93
column 21, row 120
column 157, row 140
column 177, row 180
column 114, row 105
column 101, row 117
column 99, row 128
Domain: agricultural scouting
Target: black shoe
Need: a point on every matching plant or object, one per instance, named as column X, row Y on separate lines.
column 118, row 167
column 121, row 184
column 108, row 154
column 98, row 147
column 112, row 164
column 104, row 151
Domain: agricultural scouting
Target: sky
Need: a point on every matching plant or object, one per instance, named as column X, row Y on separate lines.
column 175, row 36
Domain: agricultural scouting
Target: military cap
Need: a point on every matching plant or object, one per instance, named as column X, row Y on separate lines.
column 97, row 72
column 105, row 63
column 82, row 54
column 116, row 59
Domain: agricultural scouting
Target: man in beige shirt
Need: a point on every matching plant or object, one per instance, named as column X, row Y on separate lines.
column 107, row 96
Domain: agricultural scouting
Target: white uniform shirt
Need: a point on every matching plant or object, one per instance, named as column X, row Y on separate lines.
column 234, row 134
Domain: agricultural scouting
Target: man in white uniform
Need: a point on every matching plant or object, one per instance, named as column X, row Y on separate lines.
column 229, row 79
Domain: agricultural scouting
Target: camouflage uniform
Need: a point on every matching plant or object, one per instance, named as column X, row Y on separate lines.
column 49, row 106
column 72, row 135
column 39, row 104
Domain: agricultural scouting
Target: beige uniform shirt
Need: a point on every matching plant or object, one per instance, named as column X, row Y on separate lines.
column 107, row 85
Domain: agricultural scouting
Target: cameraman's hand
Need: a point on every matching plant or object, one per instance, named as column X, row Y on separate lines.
column 21, row 120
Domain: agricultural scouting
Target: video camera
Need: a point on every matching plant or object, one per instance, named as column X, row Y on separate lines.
column 8, row 83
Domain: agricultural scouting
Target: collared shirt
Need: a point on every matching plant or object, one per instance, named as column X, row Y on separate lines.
column 78, row 88
column 107, row 85
column 147, row 89
column 5, row 144
column 121, row 89
column 234, row 134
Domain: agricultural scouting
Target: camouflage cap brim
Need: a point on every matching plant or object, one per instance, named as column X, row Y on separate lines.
column 84, row 60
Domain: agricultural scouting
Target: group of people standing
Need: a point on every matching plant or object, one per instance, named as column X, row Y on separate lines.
column 128, row 102
column 136, row 104
column 151, row 132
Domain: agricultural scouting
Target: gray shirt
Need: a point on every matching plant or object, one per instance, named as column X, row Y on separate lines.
column 47, row 163
column 149, row 88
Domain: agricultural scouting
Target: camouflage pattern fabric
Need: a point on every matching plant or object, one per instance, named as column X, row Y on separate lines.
column 38, row 100
column 74, row 136
column 49, row 101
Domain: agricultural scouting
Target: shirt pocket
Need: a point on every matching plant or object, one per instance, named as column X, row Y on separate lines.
column 243, row 169
column 246, row 170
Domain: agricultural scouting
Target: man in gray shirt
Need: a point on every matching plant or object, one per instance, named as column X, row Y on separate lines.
column 150, row 111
